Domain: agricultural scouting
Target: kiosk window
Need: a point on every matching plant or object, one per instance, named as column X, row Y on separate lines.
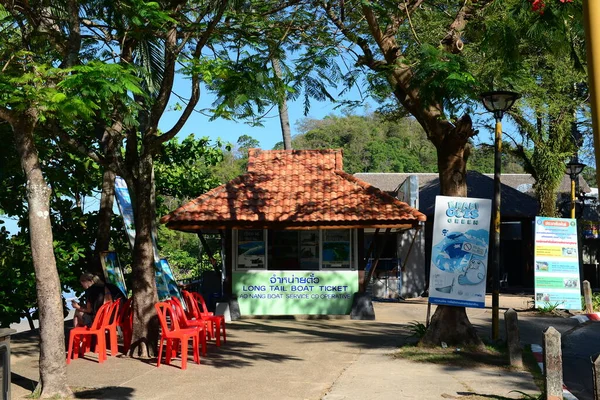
column 295, row 250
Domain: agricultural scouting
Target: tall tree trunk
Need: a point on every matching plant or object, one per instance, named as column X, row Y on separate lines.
column 52, row 364
column 107, row 199
column 284, row 118
column 450, row 324
column 145, row 321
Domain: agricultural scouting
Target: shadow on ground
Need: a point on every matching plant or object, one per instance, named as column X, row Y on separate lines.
column 24, row 382
column 110, row 392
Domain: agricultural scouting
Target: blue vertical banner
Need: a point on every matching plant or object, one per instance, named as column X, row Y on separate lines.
column 125, row 207
column 459, row 253
column 557, row 280
column 165, row 283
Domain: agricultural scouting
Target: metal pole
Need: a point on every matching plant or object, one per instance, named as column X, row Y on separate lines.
column 496, row 243
column 572, row 197
column 591, row 16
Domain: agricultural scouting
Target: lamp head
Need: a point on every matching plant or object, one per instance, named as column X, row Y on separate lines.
column 574, row 168
column 498, row 102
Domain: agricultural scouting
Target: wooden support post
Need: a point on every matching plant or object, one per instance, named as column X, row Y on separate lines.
column 513, row 342
column 596, row 370
column 553, row 373
column 587, row 295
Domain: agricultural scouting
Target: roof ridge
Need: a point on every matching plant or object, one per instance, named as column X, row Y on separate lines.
column 380, row 193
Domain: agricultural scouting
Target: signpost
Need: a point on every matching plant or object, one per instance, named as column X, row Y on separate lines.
column 459, row 254
column 557, row 282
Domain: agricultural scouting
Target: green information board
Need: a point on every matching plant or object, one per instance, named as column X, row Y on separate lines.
column 295, row 292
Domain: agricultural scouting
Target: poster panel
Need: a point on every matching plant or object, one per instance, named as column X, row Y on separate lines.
column 251, row 250
column 295, row 292
column 557, row 280
column 459, row 253
column 113, row 272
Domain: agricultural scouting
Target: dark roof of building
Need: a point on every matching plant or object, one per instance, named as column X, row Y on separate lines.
column 514, row 204
column 293, row 189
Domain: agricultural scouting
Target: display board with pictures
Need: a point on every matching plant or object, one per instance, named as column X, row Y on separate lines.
column 113, row 272
column 337, row 249
column 251, row 250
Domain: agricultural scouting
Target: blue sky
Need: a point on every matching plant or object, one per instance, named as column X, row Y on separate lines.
column 230, row 131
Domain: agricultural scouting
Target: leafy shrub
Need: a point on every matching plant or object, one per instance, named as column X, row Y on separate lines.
column 417, row 329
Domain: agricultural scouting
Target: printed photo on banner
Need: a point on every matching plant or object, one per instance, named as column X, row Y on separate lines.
column 556, row 275
column 113, row 272
column 459, row 254
column 251, row 249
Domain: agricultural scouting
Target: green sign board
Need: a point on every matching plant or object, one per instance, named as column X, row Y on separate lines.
column 295, row 292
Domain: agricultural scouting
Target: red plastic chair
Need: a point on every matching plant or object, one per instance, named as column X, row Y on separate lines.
column 173, row 334
column 85, row 334
column 126, row 324
column 193, row 312
column 185, row 323
column 111, row 327
column 196, row 302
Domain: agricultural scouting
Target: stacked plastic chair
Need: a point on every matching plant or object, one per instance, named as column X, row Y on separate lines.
column 111, row 327
column 215, row 323
column 175, row 336
column 186, row 323
column 126, row 324
column 81, row 336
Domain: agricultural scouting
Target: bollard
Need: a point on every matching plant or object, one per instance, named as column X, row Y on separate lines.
column 587, row 295
column 596, row 370
column 513, row 342
column 553, row 379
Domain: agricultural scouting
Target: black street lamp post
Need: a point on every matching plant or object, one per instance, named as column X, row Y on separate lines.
column 574, row 168
column 497, row 102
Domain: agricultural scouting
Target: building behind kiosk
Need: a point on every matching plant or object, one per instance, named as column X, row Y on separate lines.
column 298, row 232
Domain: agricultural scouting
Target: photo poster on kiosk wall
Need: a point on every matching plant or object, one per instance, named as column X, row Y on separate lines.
column 557, row 280
column 251, row 249
column 459, row 253
column 113, row 273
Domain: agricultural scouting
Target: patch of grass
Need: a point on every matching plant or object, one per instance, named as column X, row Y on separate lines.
column 549, row 308
column 595, row 302
column 489, row 356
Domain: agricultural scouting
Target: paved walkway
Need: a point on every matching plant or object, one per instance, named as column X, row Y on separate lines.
column 298, row 359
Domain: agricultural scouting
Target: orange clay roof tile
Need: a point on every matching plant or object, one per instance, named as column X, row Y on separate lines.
column 294, row 187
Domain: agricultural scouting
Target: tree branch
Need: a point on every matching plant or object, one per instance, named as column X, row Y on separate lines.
column 368, row 58
column 73, row 47
column 75, row 145
column 195, row 95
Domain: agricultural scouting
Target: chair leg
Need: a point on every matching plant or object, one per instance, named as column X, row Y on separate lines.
column 218, row 334
column 101, row 347
column 114, row 346
column 195, row 346
column 224, row 331
column 71, row 346
column 160, row 347
column 184, row 349
column 169, row 353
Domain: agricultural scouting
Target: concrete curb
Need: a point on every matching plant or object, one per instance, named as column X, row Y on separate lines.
column 538, row 353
